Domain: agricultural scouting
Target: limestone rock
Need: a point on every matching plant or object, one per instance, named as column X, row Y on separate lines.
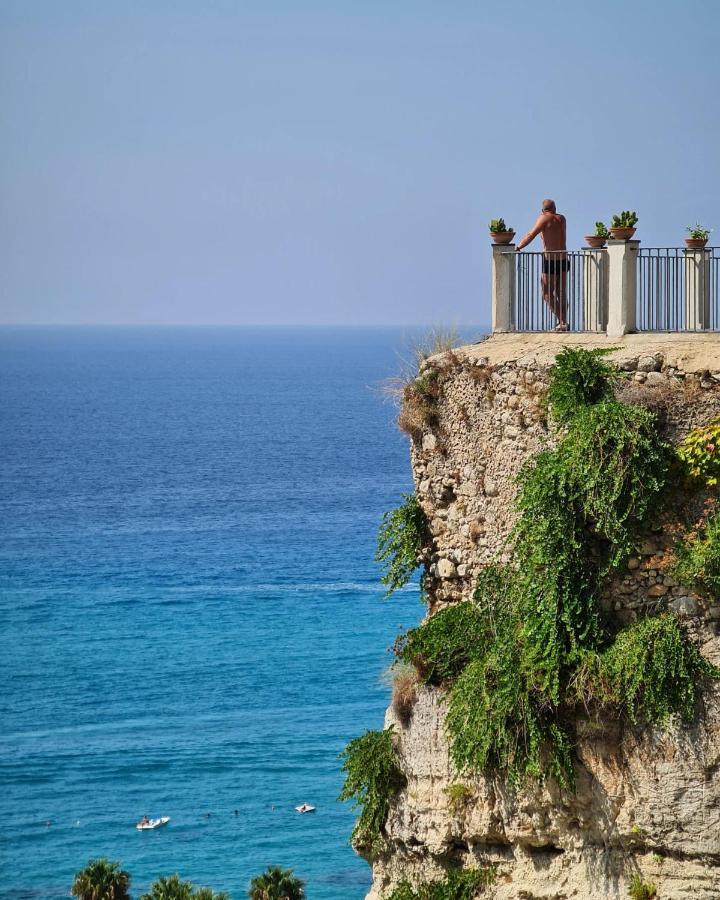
column 446, row 568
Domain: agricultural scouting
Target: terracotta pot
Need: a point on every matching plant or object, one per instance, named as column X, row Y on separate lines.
column 502, row 237
column 695, row 243
column 622, row 234
column 594, row 241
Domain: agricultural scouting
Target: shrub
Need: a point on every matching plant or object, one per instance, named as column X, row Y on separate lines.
column 101, row 880
column 579, row 378
column 495, row 721
column 700, row 452
column 404, row 692
column 401, row 536
column 641, row 890
column 697, row 559
column 372, row 778
column 618, row 465
column 580, row 506
column 444, row 644
column 276, row 883
column 458, row 884
column 654, row 671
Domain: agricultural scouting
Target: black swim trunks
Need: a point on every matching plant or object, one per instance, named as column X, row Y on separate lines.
column 555, row 266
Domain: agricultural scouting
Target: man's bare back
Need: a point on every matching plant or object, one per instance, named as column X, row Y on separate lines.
column 551, row 227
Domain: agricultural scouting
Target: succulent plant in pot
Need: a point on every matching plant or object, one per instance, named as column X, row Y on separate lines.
column 699, row 235
column 500, row 233
column 598, row 240
column 622, row 226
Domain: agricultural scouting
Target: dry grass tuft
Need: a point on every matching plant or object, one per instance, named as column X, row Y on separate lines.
column 480, row 374
column 418, row 387
column 657, row 397
column 404, row 695
column 418, row 407
column 436, row 341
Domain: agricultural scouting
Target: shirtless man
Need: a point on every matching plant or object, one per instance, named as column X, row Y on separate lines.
column 551, row 228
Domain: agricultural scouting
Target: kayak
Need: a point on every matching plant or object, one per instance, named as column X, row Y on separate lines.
column 153, row 823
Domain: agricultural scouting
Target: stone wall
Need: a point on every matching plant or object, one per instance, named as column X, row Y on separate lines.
column 646, row 801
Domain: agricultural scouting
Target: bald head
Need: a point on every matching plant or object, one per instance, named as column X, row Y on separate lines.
column 548, row 205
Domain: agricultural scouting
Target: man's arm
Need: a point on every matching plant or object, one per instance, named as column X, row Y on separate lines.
column 533, row 233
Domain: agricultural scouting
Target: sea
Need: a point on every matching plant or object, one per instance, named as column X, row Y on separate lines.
column 191, row 616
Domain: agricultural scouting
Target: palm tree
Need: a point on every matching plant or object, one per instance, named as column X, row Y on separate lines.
column 276, row 884
column 204, row 893
column 101, row 880
column 170, row 888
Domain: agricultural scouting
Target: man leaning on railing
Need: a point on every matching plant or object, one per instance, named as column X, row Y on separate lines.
column 551, row 227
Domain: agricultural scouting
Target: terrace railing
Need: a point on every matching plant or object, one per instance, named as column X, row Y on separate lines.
column 678, row 289
column 551, row 286
column 620, row 289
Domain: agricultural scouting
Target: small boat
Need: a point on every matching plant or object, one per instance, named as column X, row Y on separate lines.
column 152, row 823
column 305, row 807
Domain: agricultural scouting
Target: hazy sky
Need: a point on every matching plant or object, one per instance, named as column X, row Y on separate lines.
column 289, row 161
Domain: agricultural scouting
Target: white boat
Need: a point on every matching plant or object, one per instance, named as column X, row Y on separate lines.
column 305, row 807
column 152, row 823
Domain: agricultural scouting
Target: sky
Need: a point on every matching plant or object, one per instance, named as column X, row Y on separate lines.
column 289, row 162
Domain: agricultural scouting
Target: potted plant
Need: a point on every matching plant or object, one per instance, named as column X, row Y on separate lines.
column 598, row 240
column 698, row 236
column 500, row 233
column 622, row 227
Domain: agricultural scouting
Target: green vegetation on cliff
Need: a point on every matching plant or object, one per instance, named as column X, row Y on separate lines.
column 700, row 452
column 517, row 660
column 458, row 884
column 372, row 778
column 697, row 559
column 403, row 531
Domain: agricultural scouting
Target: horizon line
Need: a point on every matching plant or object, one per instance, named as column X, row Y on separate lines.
column 365, row 325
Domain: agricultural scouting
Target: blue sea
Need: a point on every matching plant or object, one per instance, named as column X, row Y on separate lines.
column 192, row 621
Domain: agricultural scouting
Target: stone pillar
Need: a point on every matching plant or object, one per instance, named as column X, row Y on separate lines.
column 622, row 286
column 697, row 290
column 503, row 287
column 595, row 289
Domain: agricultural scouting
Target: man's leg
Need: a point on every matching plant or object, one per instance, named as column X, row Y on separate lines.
column 546, row 281
column 561, row 295
column 549, row 290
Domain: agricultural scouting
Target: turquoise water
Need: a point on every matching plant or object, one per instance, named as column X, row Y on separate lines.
column 191, row 617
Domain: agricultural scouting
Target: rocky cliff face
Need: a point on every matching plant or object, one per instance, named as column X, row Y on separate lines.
column 647, row 800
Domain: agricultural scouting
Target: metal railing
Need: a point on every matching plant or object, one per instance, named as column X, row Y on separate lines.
column 555, row 287
column 678, row 289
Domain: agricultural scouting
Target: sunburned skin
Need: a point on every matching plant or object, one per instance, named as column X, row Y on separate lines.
column 551, row 227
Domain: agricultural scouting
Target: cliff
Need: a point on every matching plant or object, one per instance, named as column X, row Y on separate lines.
column 646, row 799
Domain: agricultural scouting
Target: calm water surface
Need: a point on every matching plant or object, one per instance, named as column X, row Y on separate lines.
column 191, row 617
